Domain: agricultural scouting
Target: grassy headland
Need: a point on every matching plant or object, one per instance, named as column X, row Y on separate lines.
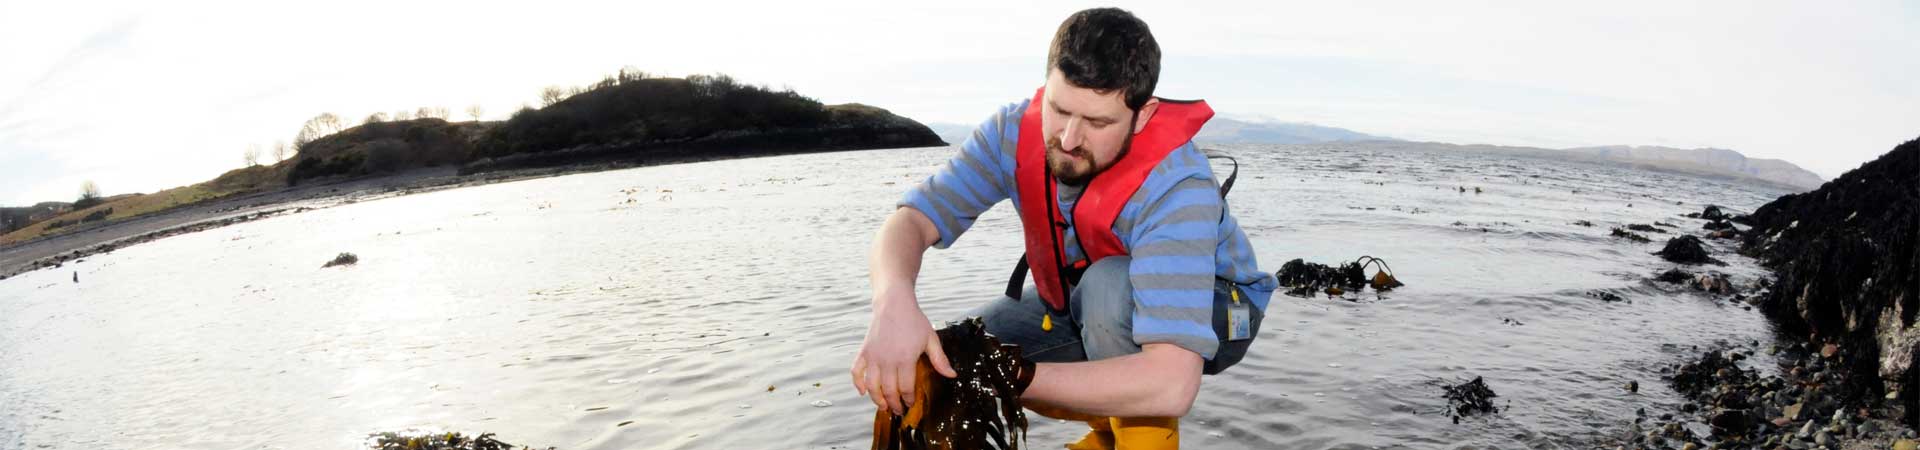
column 624, row 119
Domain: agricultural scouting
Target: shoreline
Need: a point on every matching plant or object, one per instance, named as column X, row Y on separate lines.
column 56, row 250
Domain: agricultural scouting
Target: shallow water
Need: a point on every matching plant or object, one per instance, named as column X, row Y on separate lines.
column 712, row 305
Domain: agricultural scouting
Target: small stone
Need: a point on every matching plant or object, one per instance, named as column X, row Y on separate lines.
column 1806, row 431
column 1792, row 412
column 1828, row 350
column 1906, row 444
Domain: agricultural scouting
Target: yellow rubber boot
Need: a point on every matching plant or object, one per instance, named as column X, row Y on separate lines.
column 1099, row 438
column 1146, row 433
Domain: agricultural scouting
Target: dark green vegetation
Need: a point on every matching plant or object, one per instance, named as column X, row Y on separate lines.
column 1847, row 273
column 637, row 118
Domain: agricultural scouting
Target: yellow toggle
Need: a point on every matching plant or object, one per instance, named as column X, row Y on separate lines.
column 1046, row 322
column 1236, row 295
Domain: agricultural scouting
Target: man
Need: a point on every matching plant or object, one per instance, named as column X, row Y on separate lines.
column 1142, row 280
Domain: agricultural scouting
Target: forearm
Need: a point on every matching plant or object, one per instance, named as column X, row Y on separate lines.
column 1160, row 381
column 894, row 262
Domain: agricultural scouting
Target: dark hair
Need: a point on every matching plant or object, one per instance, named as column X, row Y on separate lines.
column 1107, row 49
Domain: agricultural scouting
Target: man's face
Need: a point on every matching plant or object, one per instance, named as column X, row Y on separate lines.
column 1086, row 132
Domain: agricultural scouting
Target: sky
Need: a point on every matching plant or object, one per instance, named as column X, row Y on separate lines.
column 143, row 96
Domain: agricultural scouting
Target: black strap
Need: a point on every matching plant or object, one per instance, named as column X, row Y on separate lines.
column 1227, row 185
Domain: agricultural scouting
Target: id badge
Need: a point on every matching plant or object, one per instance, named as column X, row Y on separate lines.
column 1239, row 319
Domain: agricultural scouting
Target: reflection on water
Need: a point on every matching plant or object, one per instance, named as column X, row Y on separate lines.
column 717, row 305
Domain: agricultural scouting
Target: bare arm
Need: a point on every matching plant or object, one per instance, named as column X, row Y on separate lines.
column 1160, row 381
column 899, row 333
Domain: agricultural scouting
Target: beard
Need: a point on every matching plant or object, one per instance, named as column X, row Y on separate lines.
column 1072, row 172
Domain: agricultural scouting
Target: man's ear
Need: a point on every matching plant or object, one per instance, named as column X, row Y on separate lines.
column 1145, row 114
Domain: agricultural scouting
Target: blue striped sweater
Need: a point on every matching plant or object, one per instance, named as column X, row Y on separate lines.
column 1175, row 227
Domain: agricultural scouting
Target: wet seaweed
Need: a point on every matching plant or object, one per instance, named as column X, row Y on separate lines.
column 434, row 440
column 1303, row 279
column 979, row 409
column 1466, row 399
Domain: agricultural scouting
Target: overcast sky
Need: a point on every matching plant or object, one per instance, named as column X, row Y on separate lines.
column 142, row 96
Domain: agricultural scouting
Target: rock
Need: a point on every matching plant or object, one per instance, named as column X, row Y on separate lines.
column 1713, row 213
column 1850, row 275
column 1673, row 276
column 1827, row 351
column 1644, row 228
column 1806, row 431
column 1730, row 422
column 1792, row 412
column 1906, row 444
column 1687, row 249
column 343, row 259
column 1717, row 225
column 1822, row 438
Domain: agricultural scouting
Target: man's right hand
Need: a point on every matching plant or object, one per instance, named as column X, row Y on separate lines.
column 883, row 371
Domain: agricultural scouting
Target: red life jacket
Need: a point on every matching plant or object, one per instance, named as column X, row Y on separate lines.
column 1173, row 124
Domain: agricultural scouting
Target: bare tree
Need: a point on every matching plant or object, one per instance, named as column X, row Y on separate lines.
column 316, row 128
column 431, row 112
column 402, row 115
column 375, row 118
column 280, row 151
column 89, row 196
column 475, row 112
column 552, row 95
column 252, row 155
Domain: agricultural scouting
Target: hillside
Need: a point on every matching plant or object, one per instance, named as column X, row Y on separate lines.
column 1713, row 161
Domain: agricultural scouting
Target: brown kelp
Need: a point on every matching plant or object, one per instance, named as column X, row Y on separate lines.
column 436, row 440
column 1303, row 279
column 979, row 409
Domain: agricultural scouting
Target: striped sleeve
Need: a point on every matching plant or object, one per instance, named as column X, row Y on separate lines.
column 1173, row 267
column 978, row 177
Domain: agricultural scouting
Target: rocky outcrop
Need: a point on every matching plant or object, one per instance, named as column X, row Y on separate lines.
column 1847, row 272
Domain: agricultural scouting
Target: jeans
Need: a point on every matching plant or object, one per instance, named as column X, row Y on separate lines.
column 1101, row 323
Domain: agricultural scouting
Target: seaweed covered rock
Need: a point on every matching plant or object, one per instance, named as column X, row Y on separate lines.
column 1631, row 236
column 1846, row 270
column 1469, row 398
column 979, row 409
column 1686, row 249
column 1673, row 276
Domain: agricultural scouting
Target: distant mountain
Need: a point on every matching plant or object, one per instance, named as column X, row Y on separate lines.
column 953, row 133
column 1714, row 161
column 1222, row 130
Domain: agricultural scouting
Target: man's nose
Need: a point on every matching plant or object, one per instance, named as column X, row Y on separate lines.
column 1070, row 137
